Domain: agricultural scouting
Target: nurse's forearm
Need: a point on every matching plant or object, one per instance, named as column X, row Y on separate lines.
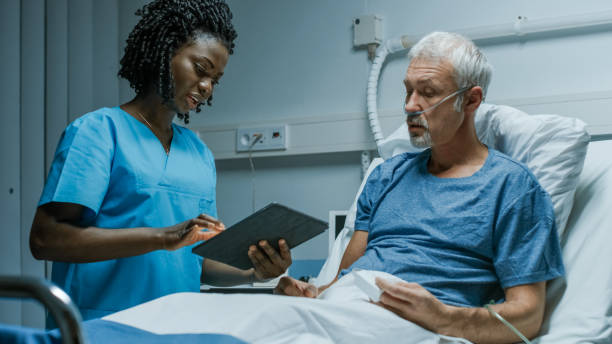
column 222, row 275
column 56, row 236
column 70, row 243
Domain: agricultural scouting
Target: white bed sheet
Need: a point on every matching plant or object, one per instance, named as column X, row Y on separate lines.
column 341, row 315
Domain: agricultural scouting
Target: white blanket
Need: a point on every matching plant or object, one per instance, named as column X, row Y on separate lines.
column 341, row 315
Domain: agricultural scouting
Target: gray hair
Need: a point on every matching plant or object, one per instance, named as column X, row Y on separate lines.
column 470, row 66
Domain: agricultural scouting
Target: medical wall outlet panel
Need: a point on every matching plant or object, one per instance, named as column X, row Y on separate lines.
column 367, row 29
column 261, row 139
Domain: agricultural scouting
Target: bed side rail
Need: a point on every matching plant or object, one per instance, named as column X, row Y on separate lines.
column 63, row 310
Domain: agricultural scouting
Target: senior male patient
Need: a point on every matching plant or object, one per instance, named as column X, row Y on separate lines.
column 460, row 223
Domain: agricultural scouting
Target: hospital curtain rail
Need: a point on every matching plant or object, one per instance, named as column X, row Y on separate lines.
column 63, row 310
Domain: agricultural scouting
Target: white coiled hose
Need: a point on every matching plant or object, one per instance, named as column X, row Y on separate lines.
column 388, row 47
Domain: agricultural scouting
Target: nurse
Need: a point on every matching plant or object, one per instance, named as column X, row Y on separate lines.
column 129, row 191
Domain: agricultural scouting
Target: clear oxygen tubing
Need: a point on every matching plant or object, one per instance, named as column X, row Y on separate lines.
column 520, row 27
column 508, row 324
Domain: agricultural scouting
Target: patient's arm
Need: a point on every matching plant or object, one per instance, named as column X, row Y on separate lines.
column 354, row 250
column 523, row 308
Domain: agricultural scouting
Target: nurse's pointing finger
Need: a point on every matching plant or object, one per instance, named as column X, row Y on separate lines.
column 212, row 221
column 211, row 225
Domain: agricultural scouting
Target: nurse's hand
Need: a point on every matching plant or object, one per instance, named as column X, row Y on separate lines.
column 267, row 261
column 292, row 287
column 189, row 232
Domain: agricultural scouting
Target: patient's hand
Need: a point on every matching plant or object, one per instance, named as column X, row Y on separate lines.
column 292, row 287
column 412, row 302
column 267, row 261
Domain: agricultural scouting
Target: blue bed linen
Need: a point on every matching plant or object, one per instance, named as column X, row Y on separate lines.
column 102, row 331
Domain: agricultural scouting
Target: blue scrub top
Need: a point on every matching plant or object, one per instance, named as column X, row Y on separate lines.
column 116, row 167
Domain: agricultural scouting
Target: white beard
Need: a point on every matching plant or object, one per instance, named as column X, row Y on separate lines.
column 424, row 140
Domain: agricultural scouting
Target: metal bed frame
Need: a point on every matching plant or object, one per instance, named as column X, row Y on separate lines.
column 62, row 309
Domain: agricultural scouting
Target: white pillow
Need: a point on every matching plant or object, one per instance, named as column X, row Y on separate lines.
column 552, row 146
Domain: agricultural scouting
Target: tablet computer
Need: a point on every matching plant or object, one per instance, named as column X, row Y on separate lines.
column 271, row 223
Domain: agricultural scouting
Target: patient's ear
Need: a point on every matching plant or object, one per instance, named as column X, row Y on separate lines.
column 473, row 98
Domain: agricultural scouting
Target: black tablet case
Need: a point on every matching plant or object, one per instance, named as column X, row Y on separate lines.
column 271, row 223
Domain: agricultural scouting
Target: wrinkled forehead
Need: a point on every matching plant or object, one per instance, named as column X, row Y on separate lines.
column 434, row 71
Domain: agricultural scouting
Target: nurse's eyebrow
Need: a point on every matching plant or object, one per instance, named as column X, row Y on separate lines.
column 211, row 65
column 208, row 61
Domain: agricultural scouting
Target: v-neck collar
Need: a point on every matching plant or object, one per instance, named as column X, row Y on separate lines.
column 172, row 126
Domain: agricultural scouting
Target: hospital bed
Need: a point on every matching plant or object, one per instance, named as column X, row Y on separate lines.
column 579, row 307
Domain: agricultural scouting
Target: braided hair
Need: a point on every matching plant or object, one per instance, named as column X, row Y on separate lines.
column 164, row 27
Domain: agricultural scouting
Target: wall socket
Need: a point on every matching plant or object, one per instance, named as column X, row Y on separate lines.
column 272, row 138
